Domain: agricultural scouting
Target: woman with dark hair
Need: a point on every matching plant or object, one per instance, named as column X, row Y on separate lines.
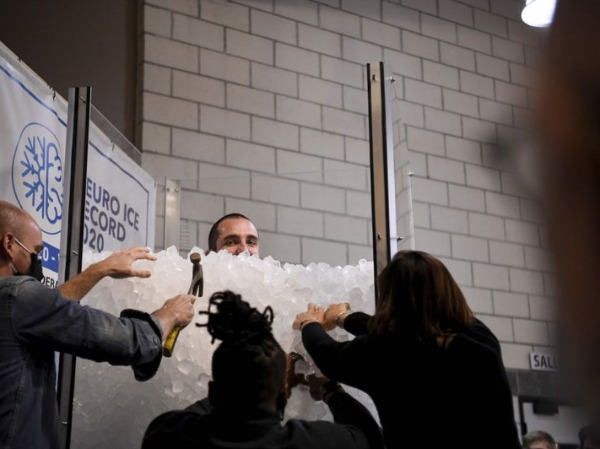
column 434, row 372
column 247, row 396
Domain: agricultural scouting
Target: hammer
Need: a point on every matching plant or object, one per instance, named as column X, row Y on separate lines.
column 196, row 288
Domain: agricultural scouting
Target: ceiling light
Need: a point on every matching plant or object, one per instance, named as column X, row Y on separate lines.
column 538, row 13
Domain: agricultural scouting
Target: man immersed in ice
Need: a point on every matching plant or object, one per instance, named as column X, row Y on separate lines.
column 234, row 233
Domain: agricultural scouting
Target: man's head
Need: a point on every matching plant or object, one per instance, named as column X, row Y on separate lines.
column 20, row 242
column 539, row 440
column 234, row 233
column 589, row 438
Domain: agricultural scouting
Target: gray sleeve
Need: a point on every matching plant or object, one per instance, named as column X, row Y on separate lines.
column 41, row 316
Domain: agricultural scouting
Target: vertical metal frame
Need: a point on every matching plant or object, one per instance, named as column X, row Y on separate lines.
column 383, row 199
column 172, row 213
column 71, row 246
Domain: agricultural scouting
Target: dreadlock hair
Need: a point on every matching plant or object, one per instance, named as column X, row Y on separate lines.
column 248, row 367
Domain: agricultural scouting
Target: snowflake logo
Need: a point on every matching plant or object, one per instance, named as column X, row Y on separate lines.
column 37, row 176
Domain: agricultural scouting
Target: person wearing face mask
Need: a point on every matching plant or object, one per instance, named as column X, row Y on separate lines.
column 36, row 321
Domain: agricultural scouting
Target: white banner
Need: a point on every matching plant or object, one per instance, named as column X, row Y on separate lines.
column 120, row 196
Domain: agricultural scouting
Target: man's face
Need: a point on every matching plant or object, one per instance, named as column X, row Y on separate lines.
column 31, row 239
column 237, row 235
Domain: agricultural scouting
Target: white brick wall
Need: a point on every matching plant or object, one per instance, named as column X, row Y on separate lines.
column 260, row 107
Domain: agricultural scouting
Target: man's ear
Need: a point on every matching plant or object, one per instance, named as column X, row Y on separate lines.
column 6, row 245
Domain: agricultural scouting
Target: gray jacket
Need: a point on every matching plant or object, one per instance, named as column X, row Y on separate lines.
column 35, row 321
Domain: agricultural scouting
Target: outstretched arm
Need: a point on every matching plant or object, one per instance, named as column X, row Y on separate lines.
column 118, row 265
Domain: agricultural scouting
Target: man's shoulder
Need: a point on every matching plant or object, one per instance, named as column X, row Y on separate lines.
column 25, row 288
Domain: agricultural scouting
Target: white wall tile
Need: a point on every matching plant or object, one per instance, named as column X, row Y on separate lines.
column 380, row 33
column 466, row 198
column 490, row 23
column 300, row 222
column 480, row 300
column 291, row 164
column 424, row 47
column 157, row 21
column 224, row 180
column 296, row 59
column 298, row 112
column 461, row 271
column 443, row 122
column 475, row 40
column 403, row 64
column 503, row 48
column 189, row 86
column 198, row 32
column 543, row 308
column 285, row 248
column 321, row 143
column 329, row 199
column 429, row 6
column 339, row 21
column 520, row 232
column 346, row 229
column 273, row 27
column 252, row 101
column 250, row 156
column 456, row 12
column 221, row 66
column 404, row 18
column 526, row 281
column 486, row 226
column 156, row 138
column 228, row 14
column 249, row 46
column 533, row 332
column 470, row 248
column 342, row 72
column 315, row 251
column 263, row 215
column 343, row 122
column 484, row 178
column 224, row 123
column 343, row 174
column 438, row 28
column 457, row 56
column 170, row 53
column 275, row 190
column 463, row 150
column 503, row 253
column 430, row 191
column 274, row 79
column 362, row 8
column 433, row 242
column 189, row 7
column 212, row 206
column 170, row 111
column 319, row 40
column 516, row 356
column 277, row 134
column 451, row 220
column 490, row 276
column 306, row 12
column 357, row 204
column 511, row 304
column 472, row 83
column 198, row 146
column 443, row 169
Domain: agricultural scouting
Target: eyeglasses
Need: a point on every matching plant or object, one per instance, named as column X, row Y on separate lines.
column 26, row 249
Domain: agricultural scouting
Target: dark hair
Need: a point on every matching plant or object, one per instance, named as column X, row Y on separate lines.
column 589, row 433
column 213, row 234
column 538, row 435
column 248, row 367
column 418, row 296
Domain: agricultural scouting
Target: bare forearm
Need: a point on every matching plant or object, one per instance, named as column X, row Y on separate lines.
column 78, row 286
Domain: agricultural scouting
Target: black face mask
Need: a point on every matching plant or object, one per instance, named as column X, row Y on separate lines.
column 35, row 269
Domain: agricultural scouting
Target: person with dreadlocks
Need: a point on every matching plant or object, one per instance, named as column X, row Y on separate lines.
column 247, row 396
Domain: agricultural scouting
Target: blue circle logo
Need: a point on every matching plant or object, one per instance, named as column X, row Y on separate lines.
column 37, row 176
